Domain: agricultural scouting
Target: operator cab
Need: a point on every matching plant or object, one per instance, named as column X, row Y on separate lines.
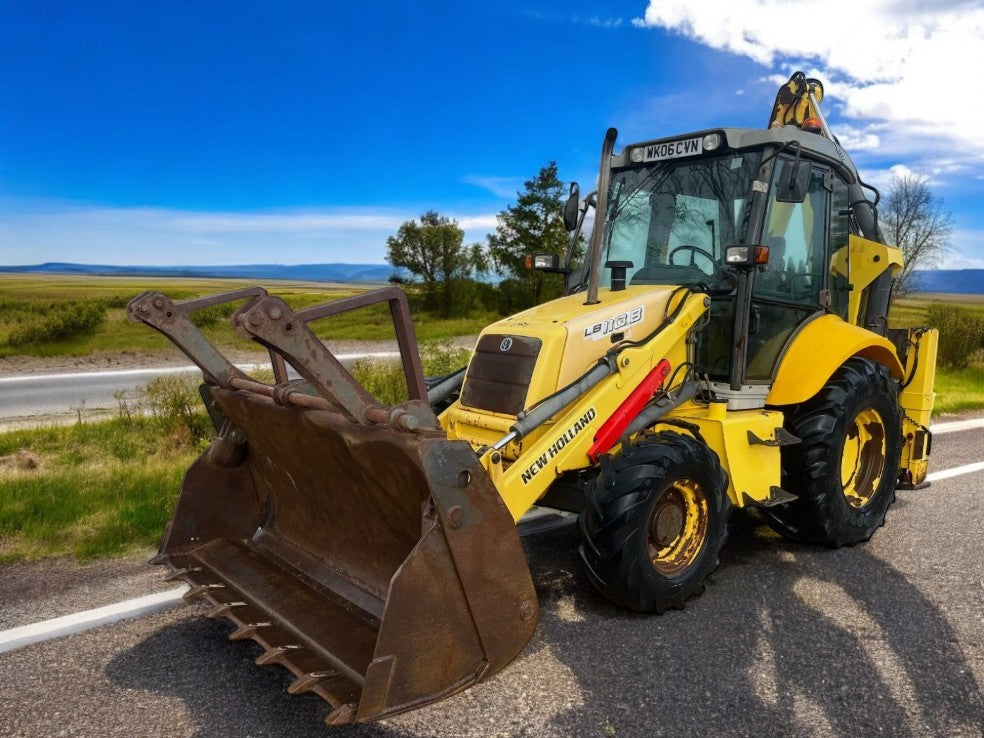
column 675, row 206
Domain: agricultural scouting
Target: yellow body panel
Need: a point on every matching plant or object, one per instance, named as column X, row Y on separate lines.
column 586, row 330
column 753, row 468
column 573, row 336
column 818, row 350
column 562, row 445
column 917, row 403
column 862, row 262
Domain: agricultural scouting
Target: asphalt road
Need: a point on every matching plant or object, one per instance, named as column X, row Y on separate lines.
column 885, row 638
column 32, row 396
column 53, row 394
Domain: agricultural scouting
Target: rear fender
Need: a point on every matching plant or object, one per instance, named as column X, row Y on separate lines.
column 818, row 350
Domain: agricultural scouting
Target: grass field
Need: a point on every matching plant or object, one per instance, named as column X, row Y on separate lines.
column 90, row 489
column 957, row 390
column 24, row 294
column 102, row 488
column 911, row 310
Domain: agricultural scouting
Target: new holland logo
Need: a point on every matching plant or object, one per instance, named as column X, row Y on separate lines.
column 555, row 448
column 615, row 323
column 506, row 344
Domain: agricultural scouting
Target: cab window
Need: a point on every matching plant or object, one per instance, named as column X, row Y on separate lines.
column 787, row 291
column 794, row 233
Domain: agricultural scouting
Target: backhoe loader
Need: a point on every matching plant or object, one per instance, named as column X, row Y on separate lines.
column 724, row 343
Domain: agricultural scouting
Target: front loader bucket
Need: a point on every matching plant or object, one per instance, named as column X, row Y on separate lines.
column 362, row 549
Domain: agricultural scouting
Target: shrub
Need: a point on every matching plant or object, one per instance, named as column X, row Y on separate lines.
column 177, row 409
column 385, row 381
column 55, row 319
column 961, row 333
column 213, row 315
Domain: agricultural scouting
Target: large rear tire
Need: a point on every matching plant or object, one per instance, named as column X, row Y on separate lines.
column 656, row 519
column 844, row 469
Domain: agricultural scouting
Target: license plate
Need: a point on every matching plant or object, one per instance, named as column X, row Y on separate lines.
column 674, row 149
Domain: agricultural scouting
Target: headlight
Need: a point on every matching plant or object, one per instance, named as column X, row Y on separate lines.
column 637, row 154
column 711, row 141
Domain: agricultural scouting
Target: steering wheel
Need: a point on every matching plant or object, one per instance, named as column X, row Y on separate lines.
column 694, row 250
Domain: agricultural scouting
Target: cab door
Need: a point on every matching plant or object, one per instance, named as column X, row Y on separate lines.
column 787, row 291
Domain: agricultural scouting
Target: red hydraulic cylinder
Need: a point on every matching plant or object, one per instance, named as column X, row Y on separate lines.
column 609, row 433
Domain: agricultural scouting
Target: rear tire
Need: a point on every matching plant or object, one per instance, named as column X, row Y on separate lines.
column 844, row 469
column 656, row 519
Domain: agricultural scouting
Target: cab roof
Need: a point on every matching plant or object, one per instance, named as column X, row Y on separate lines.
column 744, row 138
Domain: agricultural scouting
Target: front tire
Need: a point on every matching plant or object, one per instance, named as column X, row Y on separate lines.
column 844, row 469
column 656, row 519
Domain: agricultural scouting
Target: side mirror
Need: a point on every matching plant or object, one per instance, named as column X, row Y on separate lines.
column 571, row 208
column 792, row 187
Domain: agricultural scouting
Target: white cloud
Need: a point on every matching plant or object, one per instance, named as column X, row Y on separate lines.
column 858, row 139
column 902, row 62
column 600, row 22
column 32, row 232
column 505, row 187
column 882, row 178
column 966, row 250
column 477, row 223
column 597, row 21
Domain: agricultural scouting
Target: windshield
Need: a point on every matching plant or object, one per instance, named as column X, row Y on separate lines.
column 673, row 219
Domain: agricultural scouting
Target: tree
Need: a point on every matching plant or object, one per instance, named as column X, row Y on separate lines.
column 434, row 253
column 533, row 225
column 915, row 220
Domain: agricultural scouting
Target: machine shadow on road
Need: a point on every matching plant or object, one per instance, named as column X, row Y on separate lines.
column 787, row 638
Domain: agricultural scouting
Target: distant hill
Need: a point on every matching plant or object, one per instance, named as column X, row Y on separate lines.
column 958, row 281
column 310, row 272
column 961, row 281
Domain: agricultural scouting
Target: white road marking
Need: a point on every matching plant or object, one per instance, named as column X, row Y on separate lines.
column 956, row 425
column 177, row 369
column 956, row 471
column 78, row 622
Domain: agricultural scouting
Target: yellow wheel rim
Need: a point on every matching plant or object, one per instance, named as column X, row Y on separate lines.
column 863, row 458
column 677, row 527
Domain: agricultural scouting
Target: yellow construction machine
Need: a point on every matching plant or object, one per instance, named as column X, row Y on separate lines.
column 724, row 343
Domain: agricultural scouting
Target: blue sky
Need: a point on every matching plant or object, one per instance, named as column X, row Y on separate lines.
column 243, row 132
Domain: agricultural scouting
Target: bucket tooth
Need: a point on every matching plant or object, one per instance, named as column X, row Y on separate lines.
column 182, row 573
column 276, row 654
column 247, row 630
column 200, row 590
column 341, row 715
column 307, row 682
column 224, row 609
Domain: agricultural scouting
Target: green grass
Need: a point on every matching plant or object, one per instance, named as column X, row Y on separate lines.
column 103, row 488
column 98, row 489
column 22, row 294
column 959, row 390
column 911, row 309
